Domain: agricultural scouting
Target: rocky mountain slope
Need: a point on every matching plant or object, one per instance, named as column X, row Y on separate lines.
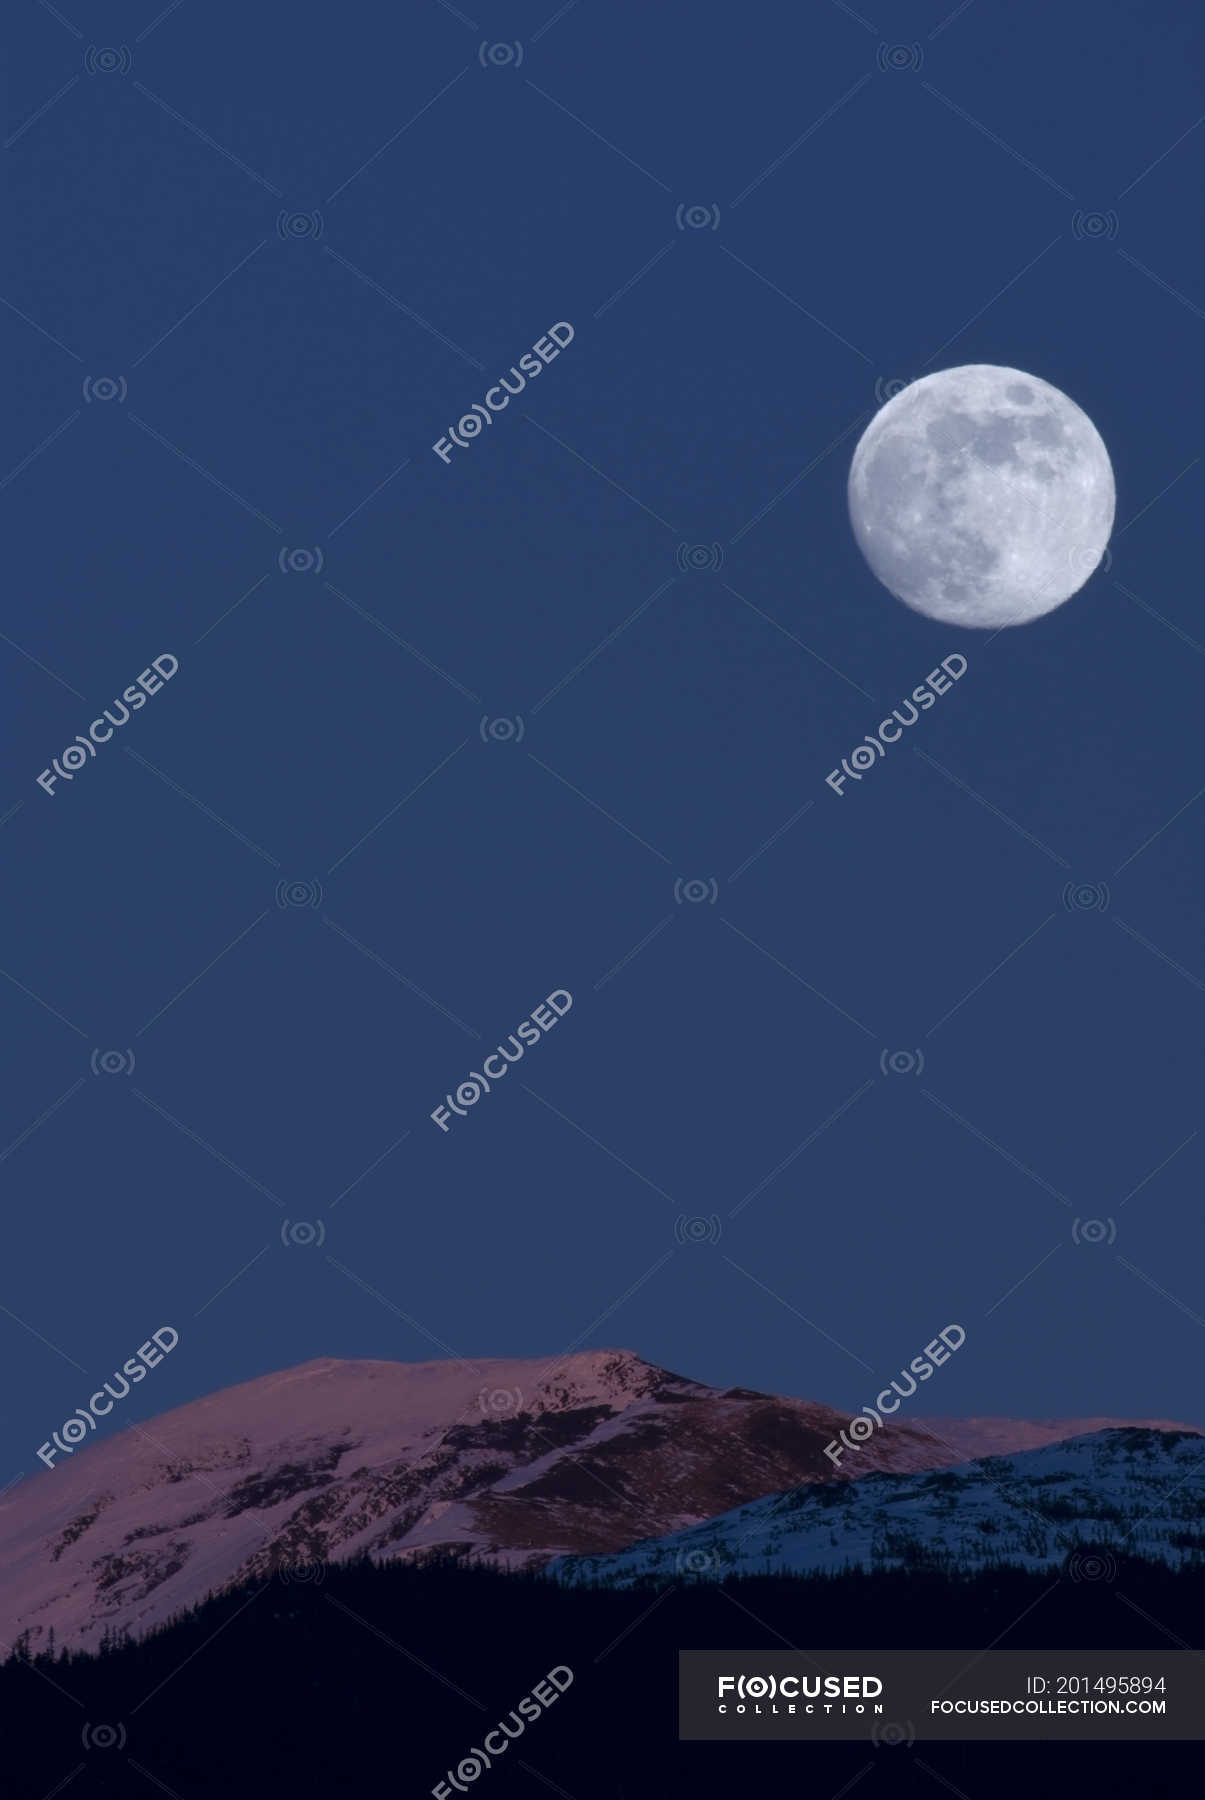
column 1078, row 1505
column 515, row 1462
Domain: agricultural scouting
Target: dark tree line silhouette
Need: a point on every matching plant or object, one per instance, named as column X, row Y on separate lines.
column 356, row 1680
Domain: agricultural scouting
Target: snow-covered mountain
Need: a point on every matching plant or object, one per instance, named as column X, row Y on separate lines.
column 973, row 1438
column 1133, row 1492
column 513, row 1462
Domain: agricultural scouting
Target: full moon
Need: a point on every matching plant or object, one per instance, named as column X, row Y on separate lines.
column 981, row 496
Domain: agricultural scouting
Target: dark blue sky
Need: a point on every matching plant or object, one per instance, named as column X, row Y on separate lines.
column 258, row 261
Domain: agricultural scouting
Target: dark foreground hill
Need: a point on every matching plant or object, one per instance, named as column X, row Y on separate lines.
column 368, row 1680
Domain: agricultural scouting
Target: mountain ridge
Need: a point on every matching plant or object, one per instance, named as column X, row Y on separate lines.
column 515, row 1461
column 1081, row 1504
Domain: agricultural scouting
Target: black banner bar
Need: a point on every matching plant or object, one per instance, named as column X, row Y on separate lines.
column 905, row 1696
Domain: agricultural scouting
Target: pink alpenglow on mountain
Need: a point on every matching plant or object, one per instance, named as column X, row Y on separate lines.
column 505, row 1461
